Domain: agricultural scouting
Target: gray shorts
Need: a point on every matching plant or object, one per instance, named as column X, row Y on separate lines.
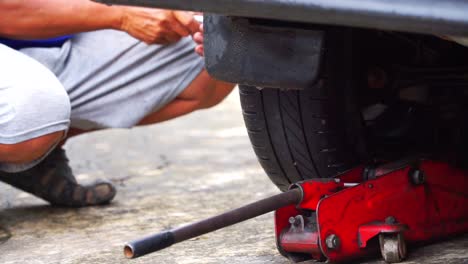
column 101, row 79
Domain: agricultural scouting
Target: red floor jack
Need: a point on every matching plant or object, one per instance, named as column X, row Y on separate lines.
column 350, row 216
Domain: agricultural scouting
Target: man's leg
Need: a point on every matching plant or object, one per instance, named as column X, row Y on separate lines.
column 29, row 150
column 34, row 111
column 129, row 83
column 204, row 92
column 34, row 117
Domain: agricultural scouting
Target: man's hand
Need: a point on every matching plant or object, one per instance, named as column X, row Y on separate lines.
column 158, row 26
column 198, row 38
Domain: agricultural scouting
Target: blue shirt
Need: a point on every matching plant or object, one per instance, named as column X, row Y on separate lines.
column 19, row 44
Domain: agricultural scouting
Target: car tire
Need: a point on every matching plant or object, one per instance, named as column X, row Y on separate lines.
column 312, row 133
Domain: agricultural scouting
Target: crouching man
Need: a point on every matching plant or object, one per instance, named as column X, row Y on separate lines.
column 71, row 67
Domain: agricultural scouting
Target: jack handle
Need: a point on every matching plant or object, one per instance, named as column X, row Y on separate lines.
column 156, row 242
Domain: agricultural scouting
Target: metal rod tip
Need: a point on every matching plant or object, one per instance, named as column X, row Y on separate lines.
column 128, row 252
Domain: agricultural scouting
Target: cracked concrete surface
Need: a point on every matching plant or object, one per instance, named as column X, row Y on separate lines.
column 167, row 175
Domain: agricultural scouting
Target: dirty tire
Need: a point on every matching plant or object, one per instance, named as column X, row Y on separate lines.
column 314, row 133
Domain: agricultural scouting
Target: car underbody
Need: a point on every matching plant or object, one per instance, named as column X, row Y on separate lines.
column 417, row 16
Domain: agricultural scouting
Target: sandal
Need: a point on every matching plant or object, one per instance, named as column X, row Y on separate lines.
column 53, row 181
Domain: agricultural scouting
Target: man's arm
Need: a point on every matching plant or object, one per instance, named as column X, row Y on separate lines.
column 23, row 19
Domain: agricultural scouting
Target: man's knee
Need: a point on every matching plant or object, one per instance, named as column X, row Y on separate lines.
column 33, row 106
column 209, row 102
column 206, row 92
column 216, row 95
column 29, row 150
column 38, row 122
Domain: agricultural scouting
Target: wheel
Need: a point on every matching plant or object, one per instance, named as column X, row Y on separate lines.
column 392, row 247
column 314, row 133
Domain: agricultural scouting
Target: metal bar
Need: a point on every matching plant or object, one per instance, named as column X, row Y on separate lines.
column 440, row 17
column 165, row 239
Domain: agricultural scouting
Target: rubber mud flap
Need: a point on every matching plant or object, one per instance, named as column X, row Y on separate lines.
column 262, row 53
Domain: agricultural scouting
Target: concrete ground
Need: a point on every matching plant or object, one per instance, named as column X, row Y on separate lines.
column 167, row 175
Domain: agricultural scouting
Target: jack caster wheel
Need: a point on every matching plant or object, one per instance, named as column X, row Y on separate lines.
column 392, row 247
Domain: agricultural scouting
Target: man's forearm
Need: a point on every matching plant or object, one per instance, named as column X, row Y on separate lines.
column 24, row 19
